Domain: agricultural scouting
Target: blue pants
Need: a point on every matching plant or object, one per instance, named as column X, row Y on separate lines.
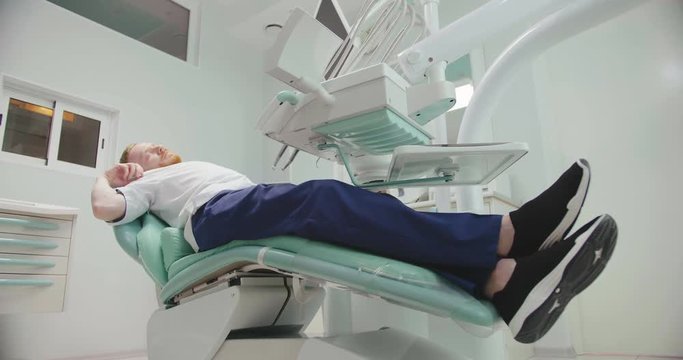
column 459, row 246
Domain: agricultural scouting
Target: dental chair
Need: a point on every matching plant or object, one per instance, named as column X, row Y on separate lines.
column 253, row 299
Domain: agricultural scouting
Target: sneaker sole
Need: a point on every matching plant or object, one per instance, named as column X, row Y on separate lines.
column 573, row 208
column 577, row 270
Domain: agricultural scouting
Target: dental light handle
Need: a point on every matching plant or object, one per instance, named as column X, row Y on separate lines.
column 468, row 32
column 310, row 86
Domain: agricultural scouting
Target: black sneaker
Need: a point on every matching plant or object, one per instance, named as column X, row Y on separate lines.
column 542, row 284
column 546, row 219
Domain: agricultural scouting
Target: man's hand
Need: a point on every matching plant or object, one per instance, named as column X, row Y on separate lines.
column 123, row 174
column 107, row 204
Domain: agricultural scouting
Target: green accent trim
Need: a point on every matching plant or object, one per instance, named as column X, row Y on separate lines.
column 376, row 133
column 459, row 69
column 438, row 180
column 287, row 96
column 25, row 282
column 26, row 262
column 150, row 249
column 29, row 224
column 35, row 244
column 398, row 282
column 423, row 291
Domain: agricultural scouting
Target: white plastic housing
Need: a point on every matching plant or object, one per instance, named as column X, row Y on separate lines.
column 357, row 93
column 468, row 32
column 428, row 101
column 302, row 50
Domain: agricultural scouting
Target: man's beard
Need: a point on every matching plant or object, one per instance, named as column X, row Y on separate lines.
column 171, row 159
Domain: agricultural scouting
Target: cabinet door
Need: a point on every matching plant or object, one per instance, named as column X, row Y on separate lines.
column 33, row 244
column 31, row 293
column 29, row 225
column 32, row 264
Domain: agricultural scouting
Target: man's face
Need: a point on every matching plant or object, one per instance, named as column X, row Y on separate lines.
column 152, row 156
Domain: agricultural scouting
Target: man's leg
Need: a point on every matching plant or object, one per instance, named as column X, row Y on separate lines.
column 463, row 244
column 344, row 215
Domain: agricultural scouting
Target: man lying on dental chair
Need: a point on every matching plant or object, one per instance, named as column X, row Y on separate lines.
column 523, row 262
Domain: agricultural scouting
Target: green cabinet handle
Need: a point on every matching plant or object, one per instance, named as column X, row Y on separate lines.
column 26, row 282
column 26, row 262
column 30, row 224
column 34, row 244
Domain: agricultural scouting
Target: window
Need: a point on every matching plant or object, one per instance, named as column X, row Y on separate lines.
column 43, row 128
column 28, row 128
column 79, row 140
column 167, row 25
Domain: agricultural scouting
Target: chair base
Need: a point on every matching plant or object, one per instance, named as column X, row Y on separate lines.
column 261, row 317
column 372, row 345
column 198, row 326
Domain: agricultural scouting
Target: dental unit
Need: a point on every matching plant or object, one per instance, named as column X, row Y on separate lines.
column 374, row 102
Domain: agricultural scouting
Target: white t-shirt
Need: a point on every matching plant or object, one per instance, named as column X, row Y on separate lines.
column 175, row 192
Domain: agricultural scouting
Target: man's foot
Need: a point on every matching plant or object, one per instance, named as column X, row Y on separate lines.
column 548, row 218
column 542, row 284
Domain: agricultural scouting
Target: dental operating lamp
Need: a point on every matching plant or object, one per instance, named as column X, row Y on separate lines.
column 366, row 108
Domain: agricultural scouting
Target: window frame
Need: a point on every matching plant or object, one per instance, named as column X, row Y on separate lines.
column 193, row 28
column 24, row 91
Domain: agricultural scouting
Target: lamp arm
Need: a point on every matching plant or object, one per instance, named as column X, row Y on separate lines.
column 468, row 32
column 579, row 16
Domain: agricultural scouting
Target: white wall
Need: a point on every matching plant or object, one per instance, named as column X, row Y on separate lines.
column 613, row 95
column 205, row 112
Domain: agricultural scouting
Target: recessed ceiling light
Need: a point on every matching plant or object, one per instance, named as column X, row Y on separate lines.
column 273, row 28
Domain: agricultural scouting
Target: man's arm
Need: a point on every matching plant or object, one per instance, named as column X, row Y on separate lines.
column 107, row 204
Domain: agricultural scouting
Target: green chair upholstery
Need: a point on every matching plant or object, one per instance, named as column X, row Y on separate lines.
column 173, row 246
column 149, row 248
column 127, row 237
column 174, row 266
column 141, row 239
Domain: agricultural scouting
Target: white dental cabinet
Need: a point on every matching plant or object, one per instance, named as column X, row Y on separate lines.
column 34, row 256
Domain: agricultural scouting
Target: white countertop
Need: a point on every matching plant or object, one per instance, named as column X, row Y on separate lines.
column 31, row 207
